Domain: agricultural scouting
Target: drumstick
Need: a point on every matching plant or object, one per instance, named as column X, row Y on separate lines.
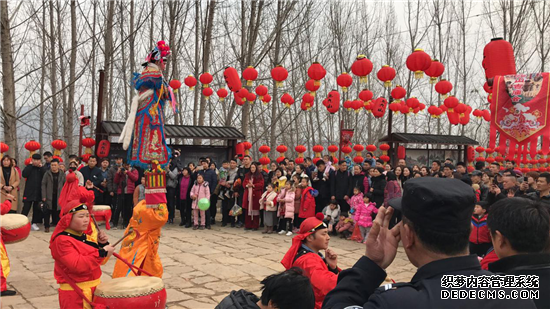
column 126, row 235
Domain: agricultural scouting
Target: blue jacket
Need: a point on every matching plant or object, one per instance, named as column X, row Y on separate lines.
column 211, row 177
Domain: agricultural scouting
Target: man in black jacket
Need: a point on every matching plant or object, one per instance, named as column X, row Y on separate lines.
column 520, row 231
column 321, row 182
column 340, row 186
column 434, row 232
column 209, row 176
column 93, row 177
column 33, row 190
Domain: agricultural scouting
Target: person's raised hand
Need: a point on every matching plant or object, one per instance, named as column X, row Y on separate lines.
column 381, row 244
column 102, row 237
column 331, row 258
column 110, row 249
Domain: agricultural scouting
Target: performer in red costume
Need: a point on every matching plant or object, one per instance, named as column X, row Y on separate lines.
column 304, row 253
column 77, row 259
column 5, row 265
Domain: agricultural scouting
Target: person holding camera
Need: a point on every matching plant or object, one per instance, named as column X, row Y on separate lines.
column 125, row 179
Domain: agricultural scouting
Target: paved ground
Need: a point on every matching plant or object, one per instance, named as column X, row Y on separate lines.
column 200, row 267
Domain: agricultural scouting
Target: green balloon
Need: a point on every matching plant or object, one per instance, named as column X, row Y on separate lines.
column 204, row 204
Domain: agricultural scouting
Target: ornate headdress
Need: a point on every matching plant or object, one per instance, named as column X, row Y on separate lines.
column 158, row 54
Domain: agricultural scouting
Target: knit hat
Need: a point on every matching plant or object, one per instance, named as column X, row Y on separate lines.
column 308, row 227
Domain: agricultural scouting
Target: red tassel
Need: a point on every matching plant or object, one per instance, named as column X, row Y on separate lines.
column 511, row 150
column 545, row 144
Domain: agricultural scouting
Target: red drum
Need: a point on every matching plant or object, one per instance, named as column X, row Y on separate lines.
column 131, row 293
column 102, row 213
column 15, row 228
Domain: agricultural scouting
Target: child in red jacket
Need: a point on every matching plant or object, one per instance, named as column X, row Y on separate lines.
column 480, row 238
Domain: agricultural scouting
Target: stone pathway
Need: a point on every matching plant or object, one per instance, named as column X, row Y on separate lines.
column 200, row 267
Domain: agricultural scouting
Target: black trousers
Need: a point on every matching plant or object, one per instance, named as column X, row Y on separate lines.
column 118, row 205
column 344, row 206
column 321, row 203
column 185, row 210
column 36, row 211
column 227, row 204
column 171, row 202
column 240, row 202
column 54, row 215
column 298, row 221
column 128, row 209
column 480, row 249
column 213, row 208
column 285, row 224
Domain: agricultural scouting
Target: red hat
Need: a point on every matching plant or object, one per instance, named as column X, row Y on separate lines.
column 67, row 212
column 308, row 227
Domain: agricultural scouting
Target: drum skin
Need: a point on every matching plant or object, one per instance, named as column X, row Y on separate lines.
column 151, row 301
column 15, row 228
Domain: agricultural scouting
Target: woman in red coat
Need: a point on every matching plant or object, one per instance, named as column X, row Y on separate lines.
column 254, row 187
column 307, row 203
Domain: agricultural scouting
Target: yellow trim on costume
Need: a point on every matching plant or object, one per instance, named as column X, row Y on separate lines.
column 82, row 285
column 73, row 232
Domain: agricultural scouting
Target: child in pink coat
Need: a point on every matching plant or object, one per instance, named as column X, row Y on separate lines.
column 199, row 191
column 355, row 201
column 286, row 208
column 363, row 215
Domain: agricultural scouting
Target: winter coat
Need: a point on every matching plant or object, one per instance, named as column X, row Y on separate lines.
column 340, row 184
column 47, row 188
column 268, row 201
column 321, row 183
column 257, row 190
column 172, row 178
column 187, row 194
column 392, row 190
column 307, row 203
column 358, row 181
column 129, row 179
column 363, row 214
column 379, row 185
column 345, row 225
column 13, row 182
column 334, row 214
column 33, row 184
column 200, row 191
column 287, row 199
column 111, row 185
column 240, row 299
column 355, row 201
column 480, row 231
column 210, row 177
column 297, row 199
column 366, row 184
column 95, row 175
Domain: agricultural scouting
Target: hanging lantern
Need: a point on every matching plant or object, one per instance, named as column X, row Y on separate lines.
column 242, row 93
column 86, row 157
column 3, row 148
column 264, row 160
column 379, row 107
column 486, row 114
column 279, row 74
column 261, row 91
column 371, row 148
column 347, row 105
column 266, row 99
column 28, row 161
column 487, row 88
column 317, row 149
column 206, row 78
column 384, row 157
column 175, row 84
column 88, row 143
column 477, row 113
column 250, row 97
column 247, row 146
column 32, row 146
column 58, row 145
column 358, row 150
column 232, row 79
column 365, row 95
column 287, row 100
column 332, row 149
column 344, row 80
column 358, row 159
column 346, row 150
column 401, row 153
column 403, row 108
column 454, row 118
column 281, row 149
column 307, row 100
column 460, row 109
column 222, row 94
column 498, row 58
column 361, row 67
column 418, row 62
column 316, row 72
column 250, row 74
column 103, row 148
column 304, row 106
column 398, row 93
column 435, row 70
column 312, row 87
column 412, row 103
column 451, row 102
column 386, row 74
column 239, row 101
column 300, row 149
column 190, row 82
column 443, row 87
column 357, row 105
column 207, row 92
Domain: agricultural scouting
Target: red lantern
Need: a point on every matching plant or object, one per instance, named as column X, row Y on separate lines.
column 300, row 149
column 176, row 84
column 250, row 74
column 443, row 87
column 395, row 107
column 477, row 113
column 435, row 70
column 403, row 108
column 239, row 101
column 279, row 74
column 264, row 149
column 358, row 148
column 384, row 147
column 103, row 148
column 365, row 95
column 207, row 92
column 401, row 153
column 332, row 149
column 264, row 161
column 205, row 78
column 28, row 161
column 304, row 106
column 242, row 93
column 358, row 159
column 250, row 97
column 487, row 88
column 386, row 74
column 418, row 62
column 86, row 157
column 280, row 159
column 287, row 100
column 261, row 91
column 247, row 146
column 498, row 58
column 190, row 82
column 88, row 143
column 346, row 150
column 348, row 105
column 454, row 118
column 385, row 158
column 344, row 80
column 266, row 99
column 58, row 145
column 232, row 79
column 317, row 149
column 464, row 120
column 451, row 102
column 371, row 148
column 357, row 105
column 470, row 154
column 32, row 146
column 486, row 115
column 333, row 101
column 4, row 147
column 480, row 149
column 379, row 107
column 460, row 109
column 316, row 72
column 311, row 87
column 412, row 103
column 281, row 149
column 307, row 100
column 222, row 93
column 361, row 67
column 398, row 93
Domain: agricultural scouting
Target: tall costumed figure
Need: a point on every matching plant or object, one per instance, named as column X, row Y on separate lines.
column 143, row 134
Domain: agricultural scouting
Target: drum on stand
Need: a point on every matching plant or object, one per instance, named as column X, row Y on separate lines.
column 102, row 213
column 131, row 293
column 15, row 228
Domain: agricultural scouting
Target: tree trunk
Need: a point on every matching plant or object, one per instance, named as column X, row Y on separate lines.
column 211, row 9
column 123, row 66
column 42, row 75
column 53, row 77
column 8, row 81
column 93, row 72
column 276, row 56
column 197, row 70
column 108, row 56
column 69, row 125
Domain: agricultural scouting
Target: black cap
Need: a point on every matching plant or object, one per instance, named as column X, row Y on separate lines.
column 36, row 156
column 477, row 173
column 438, row 204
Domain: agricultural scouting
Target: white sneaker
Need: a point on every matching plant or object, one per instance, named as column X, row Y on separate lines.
column 35, row 227
column 281, row 232
column 289, row 233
